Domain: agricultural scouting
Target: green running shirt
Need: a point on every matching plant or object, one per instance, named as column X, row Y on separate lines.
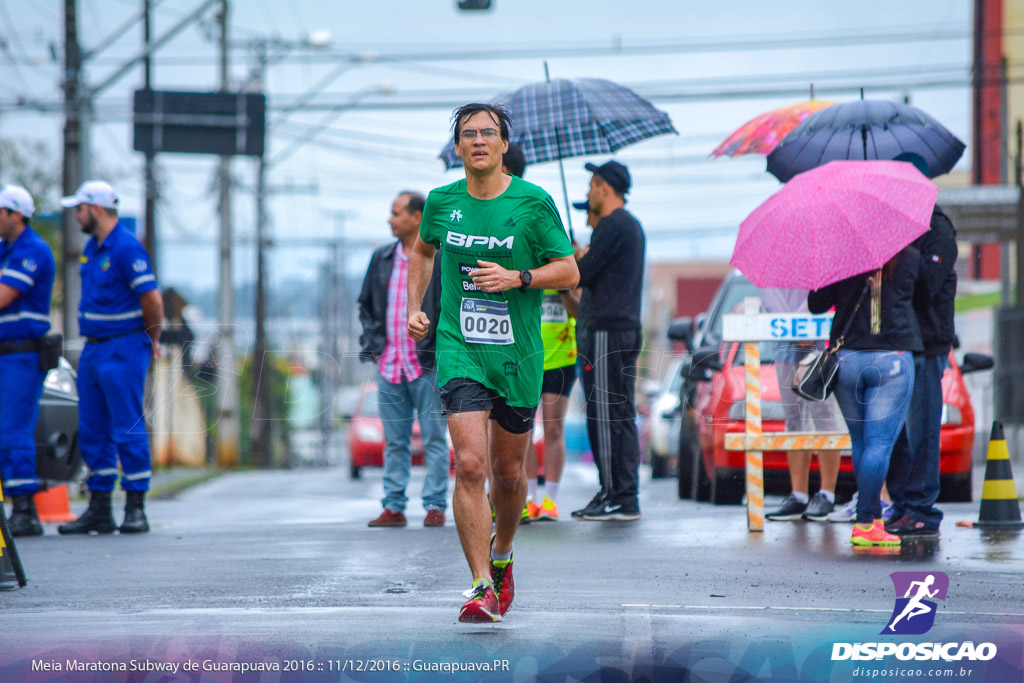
column 493, row 339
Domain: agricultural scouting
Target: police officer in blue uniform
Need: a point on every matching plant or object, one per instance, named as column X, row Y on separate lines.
column 26, row 283
column 120, row 316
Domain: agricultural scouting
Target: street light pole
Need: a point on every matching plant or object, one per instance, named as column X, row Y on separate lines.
column 149, row 180
column 259, row 431
column 73, row 170
column 227, row 374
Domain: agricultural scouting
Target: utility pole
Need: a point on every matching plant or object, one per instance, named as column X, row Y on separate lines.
column 345, row 304
column 259, row 430
column 329, row 370
column 73, row 167
column 227, row 375
column 148, row 180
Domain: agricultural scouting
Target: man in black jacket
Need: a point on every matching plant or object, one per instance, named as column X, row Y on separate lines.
column 913, row 479
column 406, row 380
column 609, row 339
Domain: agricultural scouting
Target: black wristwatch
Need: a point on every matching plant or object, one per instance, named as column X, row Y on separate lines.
column 526, row 278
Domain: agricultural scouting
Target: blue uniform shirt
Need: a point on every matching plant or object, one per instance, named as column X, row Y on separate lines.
column 28, row 267
column 114, row 275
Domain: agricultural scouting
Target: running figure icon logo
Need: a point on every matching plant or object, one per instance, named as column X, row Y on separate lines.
column 914, row 612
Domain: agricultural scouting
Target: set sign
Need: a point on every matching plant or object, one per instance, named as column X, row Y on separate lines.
column 776, row 327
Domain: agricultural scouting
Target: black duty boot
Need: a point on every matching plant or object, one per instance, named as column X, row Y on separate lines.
column 135, row 513
column 97, row 517
column 24, row 519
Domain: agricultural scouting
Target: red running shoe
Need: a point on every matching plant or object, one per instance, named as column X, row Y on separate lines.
column 482, row 606
column 501, row 574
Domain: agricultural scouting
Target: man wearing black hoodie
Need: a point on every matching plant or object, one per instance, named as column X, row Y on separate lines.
column 609, row 339
column 913, row 479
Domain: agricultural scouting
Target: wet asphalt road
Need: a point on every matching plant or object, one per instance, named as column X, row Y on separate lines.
column 265, row 564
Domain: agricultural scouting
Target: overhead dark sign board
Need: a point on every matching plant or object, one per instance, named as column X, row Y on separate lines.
column 199, row 122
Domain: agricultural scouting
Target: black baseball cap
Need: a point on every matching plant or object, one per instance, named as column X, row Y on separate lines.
column 613, row 173
column 582, row 206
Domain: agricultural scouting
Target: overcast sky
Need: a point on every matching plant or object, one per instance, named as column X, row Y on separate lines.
column 710, row 66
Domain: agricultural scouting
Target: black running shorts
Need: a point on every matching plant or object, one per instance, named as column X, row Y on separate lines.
column 461, row 395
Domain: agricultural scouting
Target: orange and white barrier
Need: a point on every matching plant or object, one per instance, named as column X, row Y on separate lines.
column 753, row 327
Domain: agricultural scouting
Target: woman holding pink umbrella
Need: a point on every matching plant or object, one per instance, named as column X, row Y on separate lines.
column 876, row 373
column 843, row 230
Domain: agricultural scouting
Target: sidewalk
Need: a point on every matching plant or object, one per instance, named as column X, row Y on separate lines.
column 163, row 485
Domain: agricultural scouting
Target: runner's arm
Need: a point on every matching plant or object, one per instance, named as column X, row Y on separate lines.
column 557, row 273
column 421, row 265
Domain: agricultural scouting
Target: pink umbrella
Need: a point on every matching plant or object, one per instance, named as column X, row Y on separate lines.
column 833, row 222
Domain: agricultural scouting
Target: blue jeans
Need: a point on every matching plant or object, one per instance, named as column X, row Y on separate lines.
column 873, row 391
column 914, row 471
column 398, row 403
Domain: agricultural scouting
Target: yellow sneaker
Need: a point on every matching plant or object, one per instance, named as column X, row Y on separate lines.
column 525, row 517
column 547, row 511
column 534, row 510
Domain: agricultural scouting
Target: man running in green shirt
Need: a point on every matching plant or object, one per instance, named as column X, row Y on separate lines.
column 503, row 244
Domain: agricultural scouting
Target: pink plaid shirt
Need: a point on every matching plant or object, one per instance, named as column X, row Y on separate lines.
column 399, row 357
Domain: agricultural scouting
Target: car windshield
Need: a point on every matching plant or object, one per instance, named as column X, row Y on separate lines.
column 736, row 289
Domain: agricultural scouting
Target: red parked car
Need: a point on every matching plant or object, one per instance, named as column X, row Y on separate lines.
column 713, row 394
column 366, row 437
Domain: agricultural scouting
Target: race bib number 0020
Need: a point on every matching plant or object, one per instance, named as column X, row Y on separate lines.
column 486, row 322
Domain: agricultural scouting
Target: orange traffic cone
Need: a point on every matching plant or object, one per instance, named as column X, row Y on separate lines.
column 54, row 505
column 1000, row 508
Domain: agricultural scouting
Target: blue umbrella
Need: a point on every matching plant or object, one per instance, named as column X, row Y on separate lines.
column 865, row 129
column 559, row 119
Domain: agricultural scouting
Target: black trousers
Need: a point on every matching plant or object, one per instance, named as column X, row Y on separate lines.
column 608, row 359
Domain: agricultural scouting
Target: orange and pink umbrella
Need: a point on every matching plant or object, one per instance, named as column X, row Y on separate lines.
column 762, row 133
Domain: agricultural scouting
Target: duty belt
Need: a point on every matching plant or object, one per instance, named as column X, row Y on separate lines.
column 21, row 346
column 100, row 340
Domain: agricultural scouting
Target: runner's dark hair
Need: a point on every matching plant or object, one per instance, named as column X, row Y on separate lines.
column 501, row 115
column 514, row 160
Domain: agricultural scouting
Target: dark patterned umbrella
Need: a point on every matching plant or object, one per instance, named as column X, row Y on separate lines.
column 865, row 129
column 562, row 118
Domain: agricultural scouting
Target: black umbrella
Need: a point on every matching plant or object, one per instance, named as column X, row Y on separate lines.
column 865, row 129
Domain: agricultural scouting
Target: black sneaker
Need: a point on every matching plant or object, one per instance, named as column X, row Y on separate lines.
column 819, row 508
column 595, row 504
column 614, row 511
column 908, row 527
column 790, row 511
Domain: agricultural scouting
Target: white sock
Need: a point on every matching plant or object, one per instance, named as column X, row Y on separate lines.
column 551, row 490
column 531, row 489
column 800, row 497
column 500, row 557
column 830, row 496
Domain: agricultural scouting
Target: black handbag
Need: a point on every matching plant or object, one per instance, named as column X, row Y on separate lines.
column 815, row 377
